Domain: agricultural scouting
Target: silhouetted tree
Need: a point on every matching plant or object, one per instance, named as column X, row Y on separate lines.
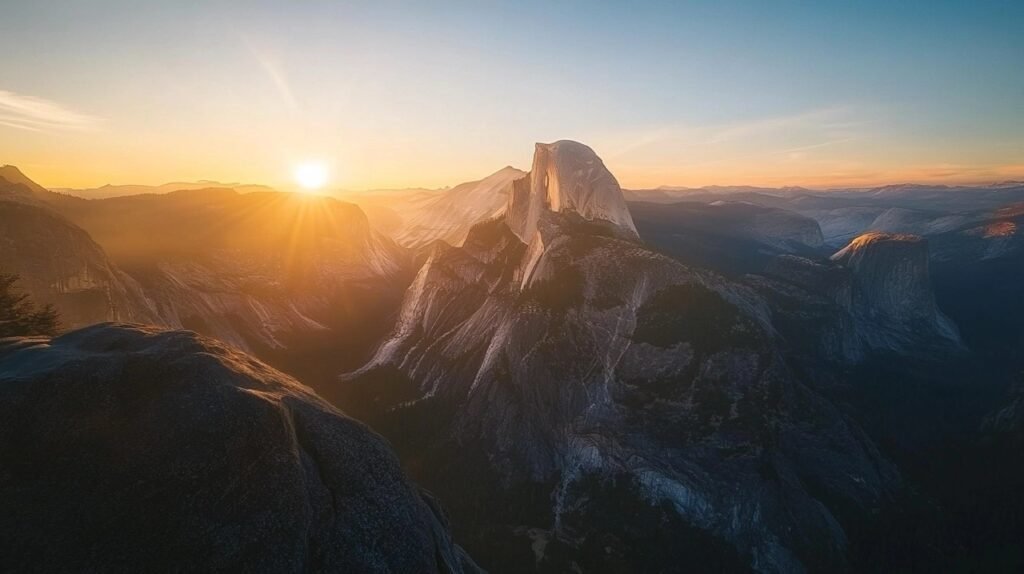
column 19, row 316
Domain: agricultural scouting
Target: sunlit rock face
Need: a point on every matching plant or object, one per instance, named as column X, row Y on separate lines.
column 999, row 235
column 15, row 184
column 891, row 289
column 59, row 264
column 448, row 215
column 266, row 272
column 890, row 275
column 136, row 449
column 585, row 369
column 918, row 222
column 874, row 296
column 567, row 176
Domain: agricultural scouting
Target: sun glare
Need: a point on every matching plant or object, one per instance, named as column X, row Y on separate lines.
column 311, row 175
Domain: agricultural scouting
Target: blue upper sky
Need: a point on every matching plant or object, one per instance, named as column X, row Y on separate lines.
column 433, row 93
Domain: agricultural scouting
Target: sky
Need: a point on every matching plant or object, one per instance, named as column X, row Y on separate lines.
column 425, row 94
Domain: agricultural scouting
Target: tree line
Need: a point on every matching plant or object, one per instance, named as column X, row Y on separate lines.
column 19, row 315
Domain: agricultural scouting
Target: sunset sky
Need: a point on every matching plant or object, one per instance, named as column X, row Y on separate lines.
column 400, row 94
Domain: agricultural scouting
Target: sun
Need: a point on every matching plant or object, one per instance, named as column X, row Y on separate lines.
column 311, row 175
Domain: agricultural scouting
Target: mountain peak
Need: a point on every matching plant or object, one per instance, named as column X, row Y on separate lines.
column 504, row 174
column 875, row 241
column 509, row 169
column 567, row 176
column 892, row 285
column 14, row 177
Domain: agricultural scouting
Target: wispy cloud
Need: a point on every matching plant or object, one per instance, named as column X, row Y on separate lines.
column 822, row 120
column 773, row 134
column 37, row 114
column 275, row 72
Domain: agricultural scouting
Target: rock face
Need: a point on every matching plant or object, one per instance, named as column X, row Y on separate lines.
column 782, row 229
column 607, row 395
column 135, row 449
column 14, row 183
column 567, row 176
column 267, row 272
column 918, row 222
column 978, row 271
column 873, row 296
column 890, row 275
column 417, row 217
column 59, row 263
column 449, row 214
column 996, row 236
column 891, row 287
column 810, row 302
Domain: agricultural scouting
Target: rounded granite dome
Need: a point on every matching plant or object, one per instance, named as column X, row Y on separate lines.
column 137, row 449
column 567, row 176
column 878, row 240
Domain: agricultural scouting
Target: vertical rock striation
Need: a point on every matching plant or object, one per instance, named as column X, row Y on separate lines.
column 567, row 177
column 891, row 291
column 577, row 373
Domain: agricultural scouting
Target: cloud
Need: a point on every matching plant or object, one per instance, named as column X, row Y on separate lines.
column 274, row 70
column 277, row 76
column 724, row 142
column 38, row 115
column 821, row 120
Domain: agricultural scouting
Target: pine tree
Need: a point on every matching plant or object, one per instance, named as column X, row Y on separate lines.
column 19, row 316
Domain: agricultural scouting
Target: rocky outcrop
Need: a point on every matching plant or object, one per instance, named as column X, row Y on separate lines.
column 996, row 236
column 978, row 272
column 567, row 177
column 890, row 275
column 918, row 222
column 15, row 184
column 810, row 302
column 448, row 215
column 264, row 271
column 873, row 296
column 891, row 292
column 136, row 449
column 58, row 263
column 783, row 229
column 583, row 369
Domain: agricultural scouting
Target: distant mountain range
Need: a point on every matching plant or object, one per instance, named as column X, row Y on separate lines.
column 261, row 270
column 108, row 191
column 416, row 216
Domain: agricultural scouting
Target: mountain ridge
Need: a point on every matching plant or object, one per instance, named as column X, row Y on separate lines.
column 582, row 359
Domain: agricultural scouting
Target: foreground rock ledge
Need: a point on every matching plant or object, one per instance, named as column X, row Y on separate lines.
column 132, row 448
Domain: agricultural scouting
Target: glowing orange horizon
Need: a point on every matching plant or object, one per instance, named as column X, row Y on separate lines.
column 317, row 176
